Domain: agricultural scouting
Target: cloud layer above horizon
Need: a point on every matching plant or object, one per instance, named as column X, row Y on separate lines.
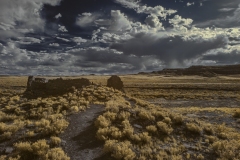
column 71, row 37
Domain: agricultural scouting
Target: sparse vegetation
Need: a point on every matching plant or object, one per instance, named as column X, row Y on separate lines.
column 130, row 127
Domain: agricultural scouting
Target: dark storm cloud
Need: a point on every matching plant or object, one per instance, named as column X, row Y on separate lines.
column 167, row 49
column 101, row 56
column 224, row 58
column 115, row 36
column 111, row 59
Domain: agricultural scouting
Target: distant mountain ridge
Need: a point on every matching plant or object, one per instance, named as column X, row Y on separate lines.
column 206, row 71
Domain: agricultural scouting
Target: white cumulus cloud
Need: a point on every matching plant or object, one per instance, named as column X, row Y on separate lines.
column 21, row 14
column 58, row 16
column 86, row 19
column 190, row 4
column 79, row 40
column 62, row 28
column 54, row 44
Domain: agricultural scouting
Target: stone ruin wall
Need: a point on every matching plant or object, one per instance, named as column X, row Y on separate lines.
column 42, row 86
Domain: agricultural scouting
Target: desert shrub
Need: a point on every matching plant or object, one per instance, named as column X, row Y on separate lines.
column 222, row 135
column 102, row 122
column 3, row 157
column 82, row 108
column 141, row 138
column 193, row 128
column 110, row 115
column 200, row 157
column 145, row 138
column 167, row 120
column 126, row 124
column 142, row 157
column 208, row 129
column 3, row 127
column 23, row 147
column 146, row 151
column 145, row 115
column 127, row 128
column 56, row 154
column 74, row 109
column 164, row 128
column 221, row 128
column 128, row 131
column 161, row 155
column 117, row 134
column 55, row 141
column 55, row 117
column 6, row 136
column 106, row 133
column 30, row 134
column 211, row 139
column 123, row 115
column 222, row 131
column 119, row 150
column 16, row 126
column 9, row 108
column 13, row 158
column 47, row 127
column 159, row 115
column 227, row 149
column 7, row 117
column 40, row 147
column 151, row 129
column 176, row 118
column 142, row 103
column 42, row 123
column 112, row 107
column 58, row 126
column 102, row 133
column 29, row 150
column 237, row 114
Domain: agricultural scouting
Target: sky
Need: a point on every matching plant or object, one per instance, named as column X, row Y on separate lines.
column 75, row 37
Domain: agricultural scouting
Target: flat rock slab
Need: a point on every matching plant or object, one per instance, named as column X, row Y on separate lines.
column 79, row 138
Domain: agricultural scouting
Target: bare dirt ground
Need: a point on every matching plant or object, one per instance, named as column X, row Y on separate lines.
column 78, row 140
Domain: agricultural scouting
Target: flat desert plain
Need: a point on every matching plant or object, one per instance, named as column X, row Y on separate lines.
column 157, row 117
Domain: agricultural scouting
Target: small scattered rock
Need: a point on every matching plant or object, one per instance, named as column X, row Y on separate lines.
column 137, row 126
column 9, row 150
column 63, row 142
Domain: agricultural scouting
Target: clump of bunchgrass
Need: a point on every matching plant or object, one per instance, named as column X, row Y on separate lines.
column 194, row 128
column 237, row 114
column 164, row 128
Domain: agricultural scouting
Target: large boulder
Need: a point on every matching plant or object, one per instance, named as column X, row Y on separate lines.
column 115, row 82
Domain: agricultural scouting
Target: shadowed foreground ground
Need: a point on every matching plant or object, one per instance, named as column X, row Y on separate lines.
column 79, row 139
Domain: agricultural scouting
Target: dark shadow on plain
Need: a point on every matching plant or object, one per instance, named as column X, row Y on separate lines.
column 87, row 138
